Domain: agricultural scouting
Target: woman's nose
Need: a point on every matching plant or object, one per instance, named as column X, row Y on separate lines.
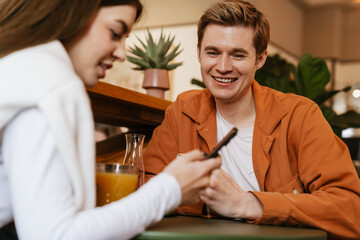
column 119, row 52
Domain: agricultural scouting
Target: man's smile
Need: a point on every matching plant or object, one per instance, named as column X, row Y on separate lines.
column 224, row 79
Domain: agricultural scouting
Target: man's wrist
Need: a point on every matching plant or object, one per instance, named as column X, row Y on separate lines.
column 253, row 207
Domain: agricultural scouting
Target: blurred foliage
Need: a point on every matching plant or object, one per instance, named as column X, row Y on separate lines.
column 198, row 82
column 308, row 79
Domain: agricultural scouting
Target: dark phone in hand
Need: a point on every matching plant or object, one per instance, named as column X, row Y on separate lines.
column 222, row 143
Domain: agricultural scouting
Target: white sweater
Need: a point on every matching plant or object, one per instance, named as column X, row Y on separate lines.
column 43, row 77
column 47, row 156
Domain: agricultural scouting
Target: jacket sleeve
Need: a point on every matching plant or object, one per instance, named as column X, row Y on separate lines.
column 331, row 197
column 163, row 147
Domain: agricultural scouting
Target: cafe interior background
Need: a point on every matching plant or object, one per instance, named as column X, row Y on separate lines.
column 328, row 29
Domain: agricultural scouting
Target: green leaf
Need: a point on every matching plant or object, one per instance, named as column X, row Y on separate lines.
column 151, row 47
column 172, row 54
column 142, row 43
column 173, row 66
column 152, row 62
column 348, row 119
column 328, row 113
column 198, row 82
column 138, row 62
column 160, row 44
column 168, row 43
column 139, row 52
column 276, row 74
column 313, row 75
column 138, row 68
column 325, row 95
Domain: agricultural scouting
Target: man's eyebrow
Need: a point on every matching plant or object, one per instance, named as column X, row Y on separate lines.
column 239, row 50
column 210, row 48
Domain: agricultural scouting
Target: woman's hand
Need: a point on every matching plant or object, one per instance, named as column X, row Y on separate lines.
column 193, row 173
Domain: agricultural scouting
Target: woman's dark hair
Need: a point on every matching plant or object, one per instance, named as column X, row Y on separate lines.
column 136, row 3
column 26, row 23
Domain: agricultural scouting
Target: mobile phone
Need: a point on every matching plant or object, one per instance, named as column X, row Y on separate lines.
column 222, row 143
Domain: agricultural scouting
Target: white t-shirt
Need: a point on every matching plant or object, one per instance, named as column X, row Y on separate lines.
column 237, row 155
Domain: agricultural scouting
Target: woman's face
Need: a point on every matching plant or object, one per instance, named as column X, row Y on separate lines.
column 102, row 43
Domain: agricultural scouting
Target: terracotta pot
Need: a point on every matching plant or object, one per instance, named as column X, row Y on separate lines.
column 156, row 82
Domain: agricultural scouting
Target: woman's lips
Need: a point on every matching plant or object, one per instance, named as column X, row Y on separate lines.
column 102, row 69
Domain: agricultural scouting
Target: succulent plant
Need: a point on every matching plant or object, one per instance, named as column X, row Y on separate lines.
column 154, row 54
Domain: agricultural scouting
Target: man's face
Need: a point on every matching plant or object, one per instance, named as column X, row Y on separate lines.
column 228, row 61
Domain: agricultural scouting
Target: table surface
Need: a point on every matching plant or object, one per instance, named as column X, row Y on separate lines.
column 181, row 227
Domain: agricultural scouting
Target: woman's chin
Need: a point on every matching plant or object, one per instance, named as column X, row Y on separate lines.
column 91, row 82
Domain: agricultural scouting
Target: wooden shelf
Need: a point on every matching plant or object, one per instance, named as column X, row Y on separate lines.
column 119, row 106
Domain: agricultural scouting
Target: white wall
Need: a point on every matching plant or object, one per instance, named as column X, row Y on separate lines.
column 286, row 21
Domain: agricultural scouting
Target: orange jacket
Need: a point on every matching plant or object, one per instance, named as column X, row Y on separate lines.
column 304, row 170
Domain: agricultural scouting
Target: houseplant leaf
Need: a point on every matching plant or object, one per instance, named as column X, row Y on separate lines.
column 198, row 82
column 152, row 54
column 173, row 66
column 326, row 95
column 312, row 76
column 143, row 65
column 308, row 79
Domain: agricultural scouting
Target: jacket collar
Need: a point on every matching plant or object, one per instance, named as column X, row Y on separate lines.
column 269, row 110
column 201, row 109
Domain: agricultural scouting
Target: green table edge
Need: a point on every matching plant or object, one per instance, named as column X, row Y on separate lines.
column 152, row 235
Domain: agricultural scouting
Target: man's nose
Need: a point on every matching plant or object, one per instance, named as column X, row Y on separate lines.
column 224, row 64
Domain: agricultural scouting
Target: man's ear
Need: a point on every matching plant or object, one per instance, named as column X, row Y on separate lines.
column 198, row 53
column 261, row 60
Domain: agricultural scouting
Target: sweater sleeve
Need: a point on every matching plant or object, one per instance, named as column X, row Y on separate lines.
column 331, row 197
column 42, row 194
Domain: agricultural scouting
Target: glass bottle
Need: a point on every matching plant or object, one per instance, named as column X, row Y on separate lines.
column 134, row 154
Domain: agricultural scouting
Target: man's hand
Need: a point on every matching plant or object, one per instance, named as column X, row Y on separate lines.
column 193, row 173
column 226, row 198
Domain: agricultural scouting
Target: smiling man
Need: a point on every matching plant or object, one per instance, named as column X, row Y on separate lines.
column 285, row 166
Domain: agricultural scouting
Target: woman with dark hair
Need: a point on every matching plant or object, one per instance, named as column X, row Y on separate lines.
column 49, row 52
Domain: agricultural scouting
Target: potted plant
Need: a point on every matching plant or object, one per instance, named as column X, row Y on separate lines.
column 154, row 58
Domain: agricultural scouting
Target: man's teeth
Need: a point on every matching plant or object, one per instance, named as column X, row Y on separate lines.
column 225, row 80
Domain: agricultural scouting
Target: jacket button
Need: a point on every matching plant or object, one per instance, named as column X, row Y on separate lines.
column 296, row 191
